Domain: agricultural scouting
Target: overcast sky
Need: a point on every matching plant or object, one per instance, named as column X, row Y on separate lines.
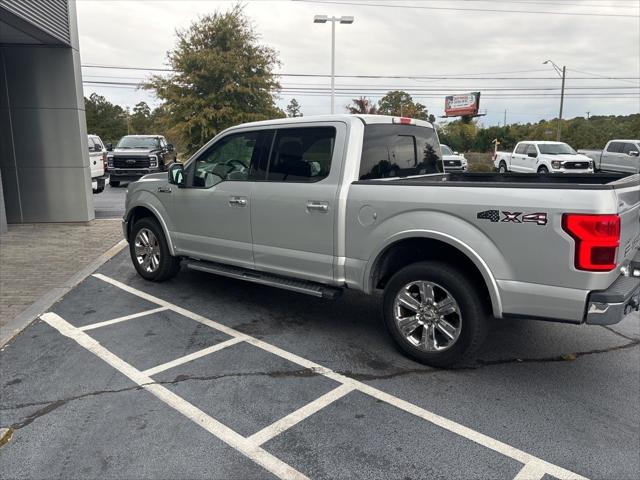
column 437, row 38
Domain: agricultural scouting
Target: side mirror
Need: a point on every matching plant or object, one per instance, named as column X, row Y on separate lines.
column 170, row 147
column 532, row 154
column 109, row 147
column 176, row 175
column 634, row 153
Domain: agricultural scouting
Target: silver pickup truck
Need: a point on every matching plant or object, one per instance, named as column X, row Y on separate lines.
column 320, row 204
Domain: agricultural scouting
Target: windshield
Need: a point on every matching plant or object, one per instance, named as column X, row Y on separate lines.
column 139, row 142
column 445, row 150
column 556, row 149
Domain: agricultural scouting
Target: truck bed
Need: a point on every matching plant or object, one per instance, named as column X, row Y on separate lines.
column 597, row 181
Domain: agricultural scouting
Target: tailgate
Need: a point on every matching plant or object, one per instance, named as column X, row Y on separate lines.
column 629, row 211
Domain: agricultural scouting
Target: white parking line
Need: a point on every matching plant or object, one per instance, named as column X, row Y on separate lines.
column 224, row 433
column 296, row 417
column 531, row 471
column 466, row 432
column 192, row 356
column 122, row 319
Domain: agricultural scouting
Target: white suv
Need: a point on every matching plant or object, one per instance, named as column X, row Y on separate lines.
column 97, row 162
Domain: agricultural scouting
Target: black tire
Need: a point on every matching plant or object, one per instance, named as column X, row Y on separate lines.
column 543, row 170
column 168, row 266
column 114, row 183
column 503, row 168
column 472, row 316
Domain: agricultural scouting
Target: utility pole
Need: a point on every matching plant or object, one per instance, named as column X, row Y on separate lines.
column 333, row 20
column 505, row 117
column 588, row 115
column 563, row 74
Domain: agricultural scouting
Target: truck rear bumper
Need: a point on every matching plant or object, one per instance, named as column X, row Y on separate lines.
column 606, row 307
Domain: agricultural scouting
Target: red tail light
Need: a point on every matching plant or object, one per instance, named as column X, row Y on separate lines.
column 597, row 239
column 104, row 160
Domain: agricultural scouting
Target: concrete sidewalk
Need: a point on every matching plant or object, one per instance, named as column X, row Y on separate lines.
column 40, row 262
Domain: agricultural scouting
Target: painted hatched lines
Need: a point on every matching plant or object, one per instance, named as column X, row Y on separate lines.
column 224, row 433
column 122, row 319
column 192, row 356
column 532, row 465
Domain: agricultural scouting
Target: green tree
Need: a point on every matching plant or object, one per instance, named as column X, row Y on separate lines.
column 401, row 104
column 105, row 119
column 362, row 105
column 293, row 109
column 141, row 121
column 222, row 77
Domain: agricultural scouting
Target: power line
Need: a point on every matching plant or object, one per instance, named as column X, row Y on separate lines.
column 458, row 9
column 460, row 76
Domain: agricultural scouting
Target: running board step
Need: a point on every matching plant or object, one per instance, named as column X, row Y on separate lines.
column 300, row 286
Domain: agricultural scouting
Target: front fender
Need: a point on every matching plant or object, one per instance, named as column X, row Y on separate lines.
column 452, row 230
column 145, row 199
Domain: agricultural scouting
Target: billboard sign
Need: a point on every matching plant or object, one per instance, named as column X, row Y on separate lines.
column 460, row 105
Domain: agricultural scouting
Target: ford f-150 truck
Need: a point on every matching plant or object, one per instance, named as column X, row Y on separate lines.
column 617, row 156
column 320, row 204
column 138, row 155
column 542, row 157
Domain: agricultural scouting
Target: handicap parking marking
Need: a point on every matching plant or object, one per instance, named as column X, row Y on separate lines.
column 533, row 467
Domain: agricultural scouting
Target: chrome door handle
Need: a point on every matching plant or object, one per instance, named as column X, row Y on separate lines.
column 164, row 189
column 322, row 207
column 238, row 201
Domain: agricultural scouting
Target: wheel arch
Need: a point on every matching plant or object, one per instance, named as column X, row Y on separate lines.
column 414, row 246
column 144, row 211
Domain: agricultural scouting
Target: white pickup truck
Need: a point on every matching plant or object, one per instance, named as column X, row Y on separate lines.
column 320, row 204
column 618, row 156
column 542, row 157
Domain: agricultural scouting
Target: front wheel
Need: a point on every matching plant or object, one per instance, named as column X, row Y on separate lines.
column 543, row 170
column 434, row 314
column 150, row 252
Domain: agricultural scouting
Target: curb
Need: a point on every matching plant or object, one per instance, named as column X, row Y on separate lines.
column 42, row 304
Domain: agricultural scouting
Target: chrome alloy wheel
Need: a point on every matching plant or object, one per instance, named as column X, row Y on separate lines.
column 147, row 250
column 428, row 316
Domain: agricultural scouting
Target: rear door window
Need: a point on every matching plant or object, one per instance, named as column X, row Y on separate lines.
column 521, row 148
column 301, row 154
column 399, row 151
column 532, row 149
column 615, row 147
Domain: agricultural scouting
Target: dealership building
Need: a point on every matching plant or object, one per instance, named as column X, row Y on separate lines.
column 44, row 159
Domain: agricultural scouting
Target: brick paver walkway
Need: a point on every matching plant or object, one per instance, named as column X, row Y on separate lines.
column 35, row 258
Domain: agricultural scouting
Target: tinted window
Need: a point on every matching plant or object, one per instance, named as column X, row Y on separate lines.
column 521, row 148
column 615, row 147
column 399, row 151
column 556, row 149
column 629, row 147
column 445, row 150
column 230, row 158
column 138, row 142
column 532, row 149
column 301, row 154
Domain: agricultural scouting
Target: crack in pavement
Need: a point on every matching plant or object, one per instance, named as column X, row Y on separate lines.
column 606, row 327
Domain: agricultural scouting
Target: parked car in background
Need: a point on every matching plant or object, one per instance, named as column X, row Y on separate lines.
column 542, row 157
column 452, row 161
column 320, row 204
column 97, row 162
column 137, row 155
column 618, row 156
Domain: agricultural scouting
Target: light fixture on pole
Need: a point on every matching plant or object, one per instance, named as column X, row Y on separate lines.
column 562, row 73
column 333, row 20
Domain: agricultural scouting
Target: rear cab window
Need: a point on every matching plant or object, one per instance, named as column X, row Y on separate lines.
column 399, row 151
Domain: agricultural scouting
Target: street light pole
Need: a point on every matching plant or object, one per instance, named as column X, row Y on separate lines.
column 563, row 74
column 333, row 20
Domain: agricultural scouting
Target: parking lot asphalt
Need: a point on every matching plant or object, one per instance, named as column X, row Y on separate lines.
column 110, row 202
column 208, row 377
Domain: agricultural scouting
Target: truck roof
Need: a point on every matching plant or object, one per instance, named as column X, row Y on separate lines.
column 366, row 119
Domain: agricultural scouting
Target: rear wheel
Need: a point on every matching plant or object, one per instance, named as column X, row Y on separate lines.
column 434, row 314
column 150, row 253
column 543, row 170
column 503, row 167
